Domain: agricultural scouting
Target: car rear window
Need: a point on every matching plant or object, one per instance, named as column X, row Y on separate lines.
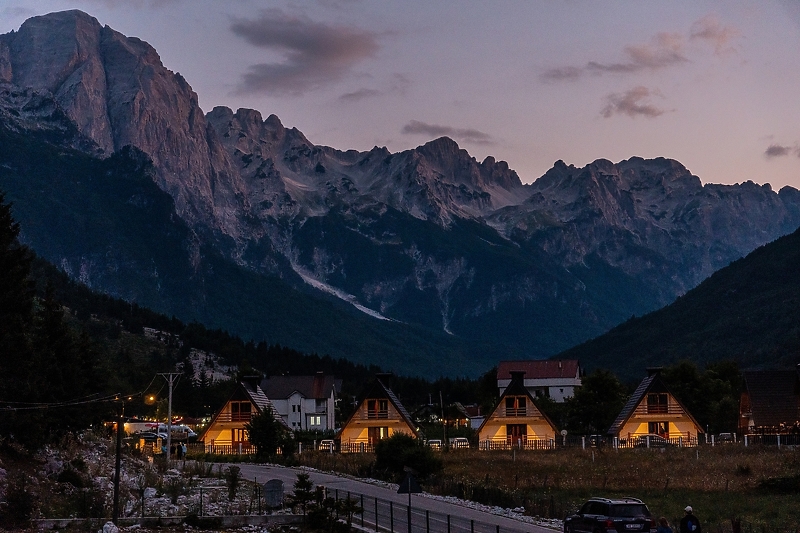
column 629, row 509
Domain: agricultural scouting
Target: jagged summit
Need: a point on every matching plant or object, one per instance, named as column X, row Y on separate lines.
column 426, row 236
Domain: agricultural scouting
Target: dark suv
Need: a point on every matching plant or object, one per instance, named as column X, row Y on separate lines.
column 602, row 515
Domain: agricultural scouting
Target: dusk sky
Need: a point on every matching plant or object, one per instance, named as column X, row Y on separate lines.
column 714, row 85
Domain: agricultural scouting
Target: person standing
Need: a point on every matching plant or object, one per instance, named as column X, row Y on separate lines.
column 663, row 526
column 689, row 522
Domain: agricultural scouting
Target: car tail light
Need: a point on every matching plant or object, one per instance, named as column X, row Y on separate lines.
column 609, row 524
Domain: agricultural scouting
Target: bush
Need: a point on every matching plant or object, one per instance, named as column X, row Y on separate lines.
column 399, row 451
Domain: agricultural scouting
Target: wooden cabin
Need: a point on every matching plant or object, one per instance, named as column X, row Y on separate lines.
column 379, row 415
column 516, row 422
column 770, row 402
column 226, row 432
column 653, row 410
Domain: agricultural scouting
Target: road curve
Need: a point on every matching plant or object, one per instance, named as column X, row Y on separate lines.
column 420, row 502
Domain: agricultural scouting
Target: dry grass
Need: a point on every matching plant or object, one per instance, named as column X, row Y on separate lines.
column 722, row 483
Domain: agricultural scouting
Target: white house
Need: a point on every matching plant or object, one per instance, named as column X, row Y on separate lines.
column 552, row 379
column 304, row 402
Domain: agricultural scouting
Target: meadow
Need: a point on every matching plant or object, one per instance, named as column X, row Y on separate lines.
column 757, row 486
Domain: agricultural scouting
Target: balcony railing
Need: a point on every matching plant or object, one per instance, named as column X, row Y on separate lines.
column 523, row 443
column 371, row 415
column 357, row 446
column 519, row 411
column 234, row 417
column 659, row 409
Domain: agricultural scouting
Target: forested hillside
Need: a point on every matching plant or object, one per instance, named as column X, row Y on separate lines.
column 748, row 312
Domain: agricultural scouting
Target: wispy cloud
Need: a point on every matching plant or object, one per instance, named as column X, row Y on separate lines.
column 776, row 150
column 399, row 84
column 664, row 50
column 779, row 150
column 632, row 103
column 467, row 135
column 709, row 29
column 314, row 54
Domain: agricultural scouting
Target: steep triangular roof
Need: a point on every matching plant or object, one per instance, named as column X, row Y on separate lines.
column 774, row 396
column 380, row 391
column 651, row 382
column 249, row 390
column 516, row 388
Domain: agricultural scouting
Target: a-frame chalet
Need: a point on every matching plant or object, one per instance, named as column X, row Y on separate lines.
column 516, row 422
column 379, row 415
column 653, row 410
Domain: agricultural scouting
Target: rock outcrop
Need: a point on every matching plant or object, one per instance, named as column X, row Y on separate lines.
column 117, row 92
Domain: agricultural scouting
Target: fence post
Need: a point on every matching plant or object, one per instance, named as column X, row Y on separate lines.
column 497, row 530
column 376, row 514
column 583, row 442
column 472, row 526
column 745, row 441
column 391, row 517
column 680, row 441
column 427, row 521
column 201, row 502
column 448, row 523
column 362, row 511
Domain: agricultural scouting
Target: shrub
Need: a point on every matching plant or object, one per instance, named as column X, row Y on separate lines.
column 399, row 451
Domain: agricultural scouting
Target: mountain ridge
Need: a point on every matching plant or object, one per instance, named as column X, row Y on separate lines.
column 428, row 236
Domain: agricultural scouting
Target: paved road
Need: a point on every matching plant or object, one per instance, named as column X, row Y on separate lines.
column 435, row 521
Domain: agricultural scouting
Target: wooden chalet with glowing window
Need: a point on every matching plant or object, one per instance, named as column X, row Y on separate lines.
column 516, row 422
column 379, row 415
column 226, row 432
column 653, row 410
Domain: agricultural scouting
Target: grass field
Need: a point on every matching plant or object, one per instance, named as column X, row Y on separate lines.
column 758, row 486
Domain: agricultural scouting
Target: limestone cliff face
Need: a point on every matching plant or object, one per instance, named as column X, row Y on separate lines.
column 117, row 92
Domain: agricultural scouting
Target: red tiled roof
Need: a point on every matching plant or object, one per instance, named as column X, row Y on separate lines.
column 546, row 369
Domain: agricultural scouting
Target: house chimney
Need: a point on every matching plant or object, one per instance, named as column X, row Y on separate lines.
column 253, row 381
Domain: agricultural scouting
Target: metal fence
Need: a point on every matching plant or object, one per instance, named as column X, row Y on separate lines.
column 386, row 516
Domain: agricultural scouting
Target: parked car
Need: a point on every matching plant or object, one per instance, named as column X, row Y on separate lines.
column 725, row 438
column 604, row 515
column 459, row 442
column 655, row 441
column 327, row 445
column 150, row 436
column 435, row 444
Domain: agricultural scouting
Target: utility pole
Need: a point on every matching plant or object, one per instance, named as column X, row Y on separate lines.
column 171, row 378
column 120, row 426
column 444, row 423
